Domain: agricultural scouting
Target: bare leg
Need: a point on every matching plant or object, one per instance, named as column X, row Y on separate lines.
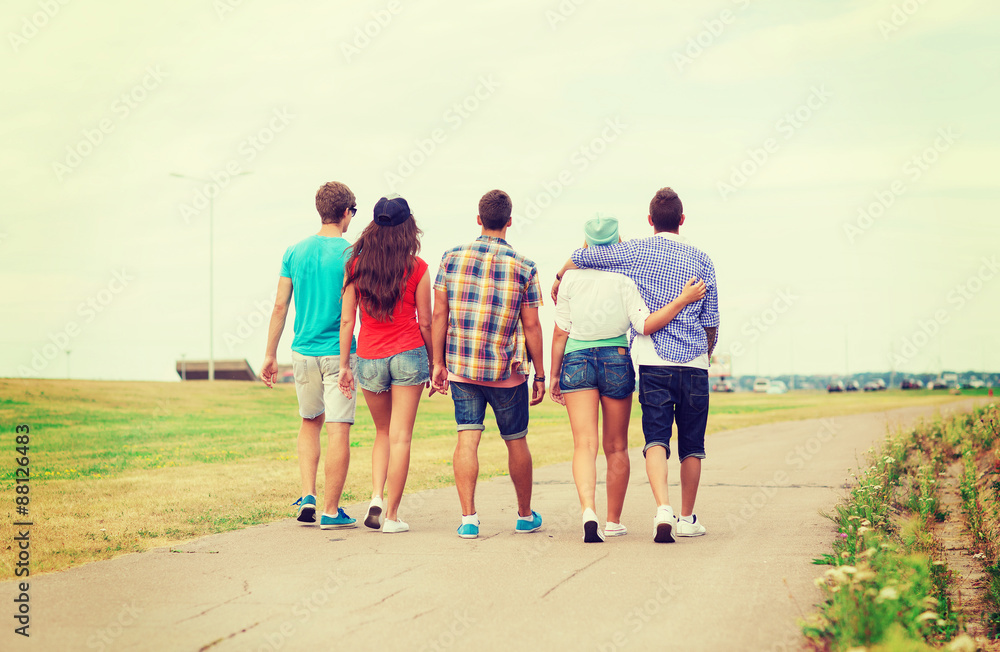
column 466, row 467
column 309, row 452
column 615, row 418
column 519, row 465
column 656, row 470
column 690, row 478
column 404, row 412
column 338, row 458
column 582, row 409
column 380, row 406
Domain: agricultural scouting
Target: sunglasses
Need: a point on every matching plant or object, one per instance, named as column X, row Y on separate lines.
column 354, row 210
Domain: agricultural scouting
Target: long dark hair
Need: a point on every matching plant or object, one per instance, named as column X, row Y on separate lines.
column 381, row 260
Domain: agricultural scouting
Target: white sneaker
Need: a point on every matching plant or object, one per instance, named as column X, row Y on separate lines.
column 591, row 528
column 663, row 525
column 374, row 518
column 614, row 529
column 394, row 527
column 685, row 529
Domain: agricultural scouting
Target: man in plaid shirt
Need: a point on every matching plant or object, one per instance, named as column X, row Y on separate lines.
column 486, row 299
column 673, row 362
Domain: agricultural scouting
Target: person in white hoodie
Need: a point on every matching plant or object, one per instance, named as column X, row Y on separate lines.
column 592, row 368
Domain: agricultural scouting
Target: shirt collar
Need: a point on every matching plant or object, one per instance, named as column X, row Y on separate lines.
column 676, row 237
column 491, row 238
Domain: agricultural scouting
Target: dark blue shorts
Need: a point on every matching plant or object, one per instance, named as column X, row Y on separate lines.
column 608, row 369
column 669, row 393
column 509, row 404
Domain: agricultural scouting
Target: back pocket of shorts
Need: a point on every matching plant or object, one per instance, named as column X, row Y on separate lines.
column 300, row 370
column 574, row 374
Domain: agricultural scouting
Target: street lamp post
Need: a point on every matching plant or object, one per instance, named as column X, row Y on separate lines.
column 211, row 265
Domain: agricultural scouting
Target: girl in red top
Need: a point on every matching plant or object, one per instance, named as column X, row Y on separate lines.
column 390, row 284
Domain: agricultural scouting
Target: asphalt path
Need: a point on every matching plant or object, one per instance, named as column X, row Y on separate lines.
column 285, row 586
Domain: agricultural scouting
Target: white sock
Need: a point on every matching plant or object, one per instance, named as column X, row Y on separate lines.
column 589, row 515
column 665, row 508
column 529, row 517
column 330, row 515
column 471, row 519
column 689, row 519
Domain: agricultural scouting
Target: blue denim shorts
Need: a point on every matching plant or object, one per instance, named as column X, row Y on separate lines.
column 510, row 407
column 669, row 393
column 608, row 369
column 406, row 368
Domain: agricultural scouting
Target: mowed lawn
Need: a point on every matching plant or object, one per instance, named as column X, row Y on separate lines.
column 119, row 467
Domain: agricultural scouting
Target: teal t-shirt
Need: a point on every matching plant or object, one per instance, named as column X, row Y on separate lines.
column 316, row 267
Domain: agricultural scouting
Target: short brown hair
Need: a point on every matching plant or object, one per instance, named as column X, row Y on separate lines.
column 494, row 209
column 666, row 210
column 332, row 199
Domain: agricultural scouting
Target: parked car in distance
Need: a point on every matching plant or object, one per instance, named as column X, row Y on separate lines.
column 777, row 387
column 881, row 383
column 871, row 386
column 835, row 386
column 723, row 386
column 911, row 383
column 761, row 384
column 852, row 386
column 937, row 384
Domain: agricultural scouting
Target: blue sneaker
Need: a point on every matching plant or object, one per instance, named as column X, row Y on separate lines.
column 468, row 531
column 341, row 520
column 307, row 509
column 534, row 525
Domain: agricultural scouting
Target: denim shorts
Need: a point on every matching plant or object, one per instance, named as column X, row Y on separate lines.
column 510, row 407
column 669, row 393
column 608, row 369
column 406, row 368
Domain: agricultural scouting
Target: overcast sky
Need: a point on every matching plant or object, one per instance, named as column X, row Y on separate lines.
column 837, row 160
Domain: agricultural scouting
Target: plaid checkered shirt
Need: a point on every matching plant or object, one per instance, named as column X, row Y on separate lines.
column 487, row 284
column 661, row 266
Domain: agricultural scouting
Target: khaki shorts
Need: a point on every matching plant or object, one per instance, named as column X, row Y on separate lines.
column 316, row 385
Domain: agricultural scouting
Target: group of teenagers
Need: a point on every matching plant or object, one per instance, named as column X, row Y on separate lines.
column 649, row 303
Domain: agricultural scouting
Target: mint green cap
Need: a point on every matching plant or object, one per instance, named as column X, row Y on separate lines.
column 601, row 230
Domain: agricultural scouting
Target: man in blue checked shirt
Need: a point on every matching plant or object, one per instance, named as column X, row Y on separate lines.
column 672, row 362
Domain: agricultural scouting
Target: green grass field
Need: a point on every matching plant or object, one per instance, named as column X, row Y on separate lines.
column 120, row 467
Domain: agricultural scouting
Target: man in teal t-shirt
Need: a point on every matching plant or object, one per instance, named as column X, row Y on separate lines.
column 313, row 272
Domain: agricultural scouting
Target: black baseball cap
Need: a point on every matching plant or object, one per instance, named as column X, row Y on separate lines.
column 391, row 211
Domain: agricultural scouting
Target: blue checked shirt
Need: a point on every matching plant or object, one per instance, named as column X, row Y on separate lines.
column 661, row 266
